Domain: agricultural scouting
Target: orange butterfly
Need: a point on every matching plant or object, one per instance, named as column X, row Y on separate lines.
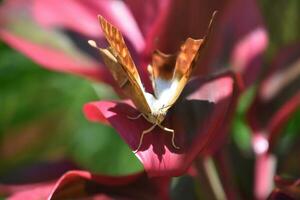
column 169, row 75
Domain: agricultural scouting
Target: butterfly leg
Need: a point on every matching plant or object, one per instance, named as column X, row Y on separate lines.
column 138, row 116
column 142, row 136
column 173, row 135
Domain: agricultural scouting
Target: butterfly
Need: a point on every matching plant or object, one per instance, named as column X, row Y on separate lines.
column 169, row 75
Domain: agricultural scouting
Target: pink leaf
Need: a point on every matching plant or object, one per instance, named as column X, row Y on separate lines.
column 54, row 59
column 148, row 13
column 83, row 184
column 38, row 29
column 32, row 192
column 238, row 40
column 285, row 189
column 278, row 95
column 248, row 48
column 198, row 119
column 82, row 17
column 179, row 20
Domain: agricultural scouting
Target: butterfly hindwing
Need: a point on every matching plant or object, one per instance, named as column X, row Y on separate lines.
column 170, row 73
column 163, row 65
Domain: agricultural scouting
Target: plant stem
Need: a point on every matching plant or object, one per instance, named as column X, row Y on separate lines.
column 207, row 167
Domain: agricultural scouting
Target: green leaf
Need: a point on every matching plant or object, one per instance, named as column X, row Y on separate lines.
column 41, row 119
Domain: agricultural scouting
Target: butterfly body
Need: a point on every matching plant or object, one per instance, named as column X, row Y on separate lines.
column 169, row 75
column 159, row 103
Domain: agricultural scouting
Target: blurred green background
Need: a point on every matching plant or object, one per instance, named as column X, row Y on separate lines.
column 41, row 115
column 41, row 119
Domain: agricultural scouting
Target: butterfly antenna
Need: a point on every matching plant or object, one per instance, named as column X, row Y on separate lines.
column 210, row 25
column 92, row 43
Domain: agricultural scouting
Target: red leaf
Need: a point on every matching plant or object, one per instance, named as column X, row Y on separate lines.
column 179, row 20
column 199, row 120
column 278, row 95
column 148, row 13
column 35, row 28
column 238, row 40
column 285, row 189
column 83, row 184
column 32, row 192
column 238, row 37
column 54, row 59
column 82, row 17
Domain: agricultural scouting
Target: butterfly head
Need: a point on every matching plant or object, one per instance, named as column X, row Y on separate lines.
column 157, row 116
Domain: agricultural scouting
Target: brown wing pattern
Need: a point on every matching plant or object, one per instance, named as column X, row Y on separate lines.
column 116, row 41
column 189, row 52
column 186, row 60
column 163, row 65
column 132, row 86
column 167, row 66
column 177, row 67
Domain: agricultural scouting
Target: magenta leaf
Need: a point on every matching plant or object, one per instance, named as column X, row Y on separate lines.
column 238, row 37
column 199, row 119
column 32, row 191
column 278, row 95
column 148, row 13
column 87, row 184
column 49, row 48
column 54, row 59
column 146, row 26
column 54, row 14
column 277, row 98
column 83, row 184
column 51, row 44
column 285, row 189
column 37, row 172
column 179, row 20
column 238, row 40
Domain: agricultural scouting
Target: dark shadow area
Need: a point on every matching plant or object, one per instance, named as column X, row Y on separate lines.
column 184, row 189
column 37, row 172
column 197, row 120
column 76, row 186
column 81, row 42
column 187, row 119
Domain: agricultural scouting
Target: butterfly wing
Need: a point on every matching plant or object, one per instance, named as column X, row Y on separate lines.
column 170, row 73
column 185, row 63
column 118, row 59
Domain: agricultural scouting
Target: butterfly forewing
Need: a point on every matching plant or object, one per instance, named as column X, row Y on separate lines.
column 170, row 73
column 116, row 41
column 132, row 86
column 185, row 63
